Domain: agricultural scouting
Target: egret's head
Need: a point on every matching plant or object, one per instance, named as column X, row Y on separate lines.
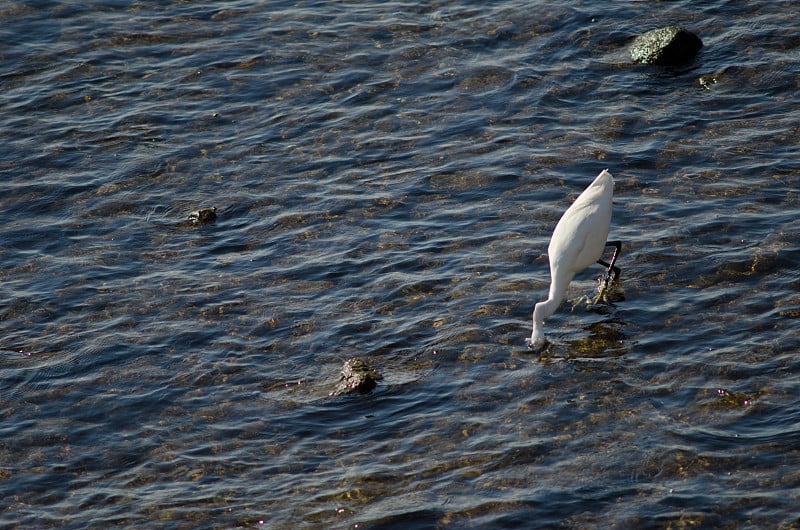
column 537, row 342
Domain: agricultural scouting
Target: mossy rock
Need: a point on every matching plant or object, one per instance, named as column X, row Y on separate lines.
column 357, row 376
column 203, row 216
column 669, row 46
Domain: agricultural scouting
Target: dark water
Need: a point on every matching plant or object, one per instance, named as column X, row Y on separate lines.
column 387, row 176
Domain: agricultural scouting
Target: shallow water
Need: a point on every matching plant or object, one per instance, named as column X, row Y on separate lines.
column 387, row 176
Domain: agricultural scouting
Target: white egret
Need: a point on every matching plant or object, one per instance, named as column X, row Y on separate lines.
column 578, row 241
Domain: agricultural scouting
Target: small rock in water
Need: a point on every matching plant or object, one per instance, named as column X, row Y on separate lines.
column 203, row 216
column 709, row 80
column 669, row 46
column 357, row 376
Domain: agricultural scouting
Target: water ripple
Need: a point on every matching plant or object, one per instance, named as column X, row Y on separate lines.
column 386, row 178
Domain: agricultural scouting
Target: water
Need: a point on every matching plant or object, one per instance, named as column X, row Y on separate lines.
column 387, row 176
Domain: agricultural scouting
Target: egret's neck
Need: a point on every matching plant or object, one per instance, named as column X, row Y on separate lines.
column 541, row 311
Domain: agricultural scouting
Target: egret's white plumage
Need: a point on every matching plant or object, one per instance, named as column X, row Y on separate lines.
column 578, row 241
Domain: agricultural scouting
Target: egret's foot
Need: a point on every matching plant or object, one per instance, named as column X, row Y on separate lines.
column 583, row 300
column 602, row 290
column 604, row 282
column 600, row 298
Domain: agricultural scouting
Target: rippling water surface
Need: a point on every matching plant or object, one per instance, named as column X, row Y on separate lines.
column 387, row 176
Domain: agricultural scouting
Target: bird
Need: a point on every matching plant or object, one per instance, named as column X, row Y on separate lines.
column 578, row 241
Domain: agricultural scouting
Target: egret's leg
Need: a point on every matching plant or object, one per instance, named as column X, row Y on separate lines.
column 601, row 294
column 611, row 268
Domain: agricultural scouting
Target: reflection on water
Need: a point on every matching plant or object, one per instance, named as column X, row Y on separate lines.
column 386, row 179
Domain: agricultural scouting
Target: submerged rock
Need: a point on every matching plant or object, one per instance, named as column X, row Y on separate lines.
column 203, row 216
column 669, row 46
column 357, row 376
column 709, row 80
